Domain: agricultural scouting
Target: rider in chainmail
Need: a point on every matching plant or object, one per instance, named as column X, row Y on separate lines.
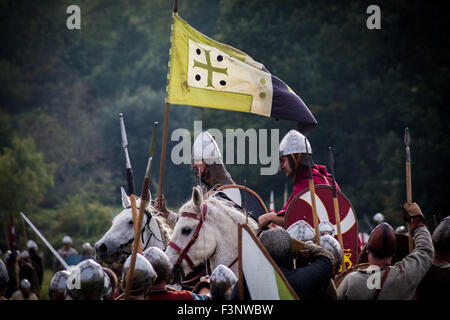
column 209, row 169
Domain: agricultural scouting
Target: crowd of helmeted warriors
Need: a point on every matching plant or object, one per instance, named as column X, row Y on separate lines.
column 311, row 270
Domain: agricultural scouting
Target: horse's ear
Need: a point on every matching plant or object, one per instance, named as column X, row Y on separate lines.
column 197, row 197
column 125, row 199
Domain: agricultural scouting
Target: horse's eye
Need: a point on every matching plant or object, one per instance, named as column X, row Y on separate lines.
column 186, row 231
column 130, row 222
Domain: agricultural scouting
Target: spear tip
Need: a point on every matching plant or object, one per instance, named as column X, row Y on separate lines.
column 330, row 157
column 407, row 136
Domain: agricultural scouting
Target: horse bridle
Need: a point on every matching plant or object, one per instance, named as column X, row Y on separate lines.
column 183, row 253
column 146, row 225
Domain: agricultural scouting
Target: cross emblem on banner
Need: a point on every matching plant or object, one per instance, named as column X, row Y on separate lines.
column 209, row 67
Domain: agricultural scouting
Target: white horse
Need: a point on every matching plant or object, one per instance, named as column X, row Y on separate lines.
column 116, row 245
column 217, row 238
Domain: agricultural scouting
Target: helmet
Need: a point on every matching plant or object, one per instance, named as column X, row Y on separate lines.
column 4, row 276
column 222, row 282
column 110, row 284
column 378, row 217
column 401, row 229
column 24, row 255
column 67, row 240
column 294, row 142
column 331, row 244
column 57, row 289
column 32, row 245
column 326, row 227
column 160, row 262
column 7, row 255
column 278, row 243
column 143, row 275
column 382, row 242
column 86, row 281
column 301, row 230
column 87, row 246
column 441, row 236
column 107, row 288
column 25, row 284
column 206, row 148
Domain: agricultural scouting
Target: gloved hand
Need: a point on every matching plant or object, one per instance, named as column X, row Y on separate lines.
column 203, row 286
column 413, row 215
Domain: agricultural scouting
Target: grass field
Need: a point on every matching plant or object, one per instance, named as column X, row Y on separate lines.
column 48, row 274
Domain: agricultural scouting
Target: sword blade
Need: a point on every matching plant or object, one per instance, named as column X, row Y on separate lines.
column 64, row 263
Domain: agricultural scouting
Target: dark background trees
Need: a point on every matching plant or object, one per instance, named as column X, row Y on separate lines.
column 61, row 91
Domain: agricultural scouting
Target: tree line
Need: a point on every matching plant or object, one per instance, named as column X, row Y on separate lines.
column 61, row 90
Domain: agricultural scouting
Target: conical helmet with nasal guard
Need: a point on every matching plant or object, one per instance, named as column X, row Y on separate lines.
column 294, row 142
column 205, row 148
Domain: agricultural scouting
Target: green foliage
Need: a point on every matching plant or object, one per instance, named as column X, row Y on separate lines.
column 65, row 89
column 82, row 217
column 364, row 87
column 24, row 176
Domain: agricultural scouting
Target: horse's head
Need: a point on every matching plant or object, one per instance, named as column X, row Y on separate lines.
column 194, row 237
column 116, row 244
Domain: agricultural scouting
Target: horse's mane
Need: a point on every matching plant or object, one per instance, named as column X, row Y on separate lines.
column 223, row 206
column 166, row 231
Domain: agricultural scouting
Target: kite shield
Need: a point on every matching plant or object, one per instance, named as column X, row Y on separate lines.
column 264, row 279
column 300, row 209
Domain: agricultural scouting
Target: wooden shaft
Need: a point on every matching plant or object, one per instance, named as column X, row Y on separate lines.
column 338, row 225
column 135, row 218
column 134, row 211
column 16, row 272
column 409, row 200
column 240, row 271
column 137, row 234
column 408, row 183
column 136, row 242
column 163, row 152
column 120, row 297
column 314, row 210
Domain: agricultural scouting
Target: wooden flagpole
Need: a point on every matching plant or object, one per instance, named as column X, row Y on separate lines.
column 166, row 125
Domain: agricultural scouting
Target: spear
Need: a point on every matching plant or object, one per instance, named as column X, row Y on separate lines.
column 407, row 140
column 64, row 263
column 336, row 204
column 130, row 176
column 313, row 199
column 145, row 198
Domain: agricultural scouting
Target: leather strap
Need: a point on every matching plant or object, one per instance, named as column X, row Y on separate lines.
column 183, row 252
column 296, row 163
column 383, row 279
